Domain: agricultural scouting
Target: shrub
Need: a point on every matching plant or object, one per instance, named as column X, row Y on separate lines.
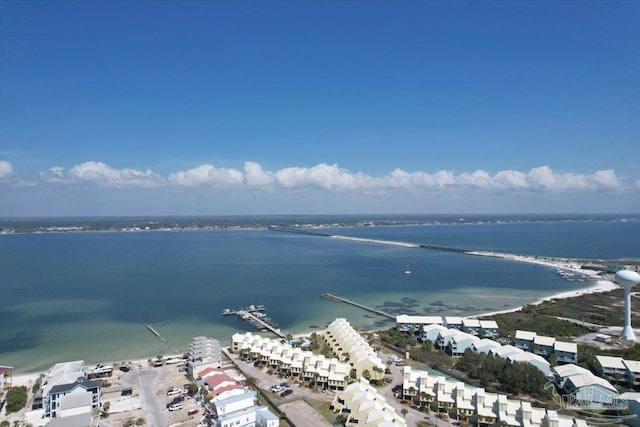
column 16, row 399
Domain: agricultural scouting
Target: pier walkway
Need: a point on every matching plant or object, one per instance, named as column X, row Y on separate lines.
column 254, row 320
column 335, row 297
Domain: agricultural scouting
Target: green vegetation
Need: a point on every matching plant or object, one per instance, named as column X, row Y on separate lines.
column 605, row 308
column 398, row 339
column 496, row 372
column 319, row 346
column 16, row 399
column 531, row 319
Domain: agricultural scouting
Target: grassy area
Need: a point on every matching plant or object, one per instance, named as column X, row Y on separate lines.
column 323, row 408
column 606, row 309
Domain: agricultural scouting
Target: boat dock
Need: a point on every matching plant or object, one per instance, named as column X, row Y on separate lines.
column 334, row 297
column 255, row 316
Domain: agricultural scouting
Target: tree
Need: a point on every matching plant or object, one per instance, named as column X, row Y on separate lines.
column 366, row 374
column 404, row 412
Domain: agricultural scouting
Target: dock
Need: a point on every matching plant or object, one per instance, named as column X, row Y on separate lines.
column 255, row 316
column 334, row 297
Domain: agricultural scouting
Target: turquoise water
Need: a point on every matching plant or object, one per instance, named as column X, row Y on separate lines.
column 90, row 295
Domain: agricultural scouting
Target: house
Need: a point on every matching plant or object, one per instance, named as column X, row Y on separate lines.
column 241, row 411
column 583, row 389
column 405, row 322
column 484, row 345
column 431, row 332
column 63, row 399
column 5, row 376
column 363, row 406
column 488, row 329
column 533, row 359
column 566, row 352
column 633, row 372
column 471, row 326
column 524, row 339
column 543, row 345
column 459, row 343
column 453, row 322
column 613, row 368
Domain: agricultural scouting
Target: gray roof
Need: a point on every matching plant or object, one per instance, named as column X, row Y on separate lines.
column 80, row 420
column 80, row 382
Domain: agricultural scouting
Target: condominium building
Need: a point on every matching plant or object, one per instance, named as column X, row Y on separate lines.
column 289, row 361
column 361, row 404
column 475, row 405
column 348, row 345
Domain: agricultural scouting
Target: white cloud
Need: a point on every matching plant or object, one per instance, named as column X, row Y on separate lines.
column 207, row 175
column 333, row 178
column 5, row 169
column 101, row 174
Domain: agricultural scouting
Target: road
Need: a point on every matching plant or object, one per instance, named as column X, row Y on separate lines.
column 143, row 380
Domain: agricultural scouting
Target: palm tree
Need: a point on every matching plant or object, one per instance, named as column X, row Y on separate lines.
column 404, row 412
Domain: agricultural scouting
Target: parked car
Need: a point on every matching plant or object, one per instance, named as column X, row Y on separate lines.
column 175, row 407
column 192, row 412
column 284, row 385
column 124, row 368
column 286, row 393
column 173, row 391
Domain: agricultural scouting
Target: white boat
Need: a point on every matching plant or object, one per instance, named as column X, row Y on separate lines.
column 407, row 271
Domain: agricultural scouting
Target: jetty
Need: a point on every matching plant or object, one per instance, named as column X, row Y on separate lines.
column 334, row 297
column 255, row 316
column 161, row 338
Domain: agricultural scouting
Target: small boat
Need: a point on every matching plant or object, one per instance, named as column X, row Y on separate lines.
column 226, row 312
column 407, row 271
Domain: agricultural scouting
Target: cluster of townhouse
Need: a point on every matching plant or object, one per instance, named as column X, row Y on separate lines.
column 475, row 405
column 620, row 370
column 565, row 352
column 230, row 404
column 455, row 343
column 291, row 361
column 349, row 345
column 67, row 396
column 361, row 404
column 475, row 327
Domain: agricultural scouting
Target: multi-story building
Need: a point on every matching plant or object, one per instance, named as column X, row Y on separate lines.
column 361, row 404
column 288, row 361
column 203, row 353
column 475, row 405
column 348, row 345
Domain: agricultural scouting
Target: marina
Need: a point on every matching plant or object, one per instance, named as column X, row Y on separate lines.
column 256, row 317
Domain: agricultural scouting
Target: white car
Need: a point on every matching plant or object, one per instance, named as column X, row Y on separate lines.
column 173, row 391
column 175, row 407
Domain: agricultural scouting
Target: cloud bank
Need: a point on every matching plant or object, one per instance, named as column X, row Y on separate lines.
column 325, row 177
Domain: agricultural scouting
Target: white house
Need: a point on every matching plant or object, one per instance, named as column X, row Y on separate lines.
column 581, row 388
column 363, row 406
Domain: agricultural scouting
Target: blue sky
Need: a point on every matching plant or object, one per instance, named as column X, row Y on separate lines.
column 195, row 107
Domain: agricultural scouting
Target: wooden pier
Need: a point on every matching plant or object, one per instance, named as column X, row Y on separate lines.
column 255, row 316
column 335, row 297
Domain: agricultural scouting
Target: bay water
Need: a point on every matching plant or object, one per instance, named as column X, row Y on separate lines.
column 91, row 295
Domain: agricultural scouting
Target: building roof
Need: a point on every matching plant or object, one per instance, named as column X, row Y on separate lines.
column 80, row 382
column 611, row 362
column 542, row 340
column 471, row 323
column 632, row 365
column 423, row 320
column 525, row 335
column 488, row 324
column 568, row 347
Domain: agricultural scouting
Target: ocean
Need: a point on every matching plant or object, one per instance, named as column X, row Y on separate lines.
column 91, row 295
